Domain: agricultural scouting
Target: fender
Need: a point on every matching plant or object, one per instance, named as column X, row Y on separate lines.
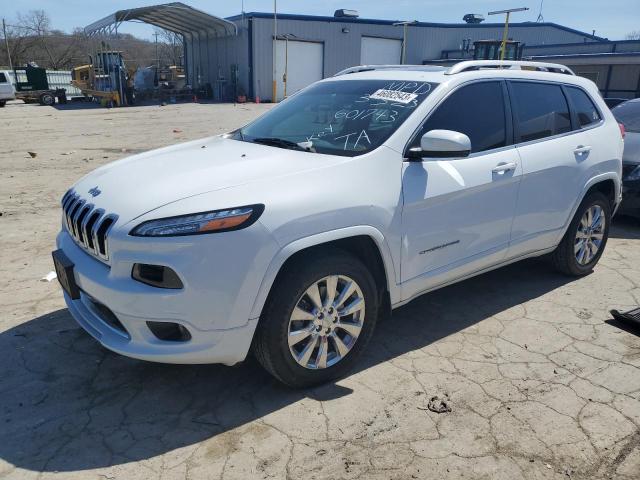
column 298, row 245
column 588, row 184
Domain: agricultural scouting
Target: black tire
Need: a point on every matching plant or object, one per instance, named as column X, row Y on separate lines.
column 2, row 103
column 47, row 99
column 270, row 343
column 563, row 257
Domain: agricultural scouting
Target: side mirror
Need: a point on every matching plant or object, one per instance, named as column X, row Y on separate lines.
column 441, row 144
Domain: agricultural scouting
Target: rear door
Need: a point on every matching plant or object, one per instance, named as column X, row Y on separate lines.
column 457, row 213
column 554, row 152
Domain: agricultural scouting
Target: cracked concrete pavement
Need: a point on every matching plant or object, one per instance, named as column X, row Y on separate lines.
column 541, row 383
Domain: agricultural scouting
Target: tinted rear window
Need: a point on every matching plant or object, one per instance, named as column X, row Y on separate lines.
column 541, row 110
column 3, row 78
column 628, row 114
column 476, row 110
column 585, row 109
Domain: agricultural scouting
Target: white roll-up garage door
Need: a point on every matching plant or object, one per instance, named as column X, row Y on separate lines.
column 380, row 51
column 305, row 65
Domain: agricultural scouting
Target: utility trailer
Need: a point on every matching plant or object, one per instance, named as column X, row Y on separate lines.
column 33, row 85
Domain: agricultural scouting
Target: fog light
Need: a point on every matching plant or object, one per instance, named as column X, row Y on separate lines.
column 169, row 331
column 156, row 276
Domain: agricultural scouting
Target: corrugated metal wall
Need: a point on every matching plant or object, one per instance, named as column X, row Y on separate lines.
column 342, row 50
column 210, row 58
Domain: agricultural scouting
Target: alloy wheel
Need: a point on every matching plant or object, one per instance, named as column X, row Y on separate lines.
column 326, row 322
column 589, row 235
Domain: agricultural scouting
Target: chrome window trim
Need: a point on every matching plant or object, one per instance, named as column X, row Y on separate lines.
column 559, row 135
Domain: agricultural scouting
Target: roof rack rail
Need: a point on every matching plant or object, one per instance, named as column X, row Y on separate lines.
column 370, row 68
column 471, row 65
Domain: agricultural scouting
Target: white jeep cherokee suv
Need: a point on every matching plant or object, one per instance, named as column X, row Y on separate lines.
column 292, row 235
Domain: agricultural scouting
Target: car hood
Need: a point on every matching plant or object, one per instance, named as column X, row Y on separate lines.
column 631, row 153
column 136, row 185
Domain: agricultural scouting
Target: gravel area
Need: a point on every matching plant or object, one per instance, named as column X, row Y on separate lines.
column 518, row 373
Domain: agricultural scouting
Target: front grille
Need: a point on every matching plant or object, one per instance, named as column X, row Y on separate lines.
column 89, row 226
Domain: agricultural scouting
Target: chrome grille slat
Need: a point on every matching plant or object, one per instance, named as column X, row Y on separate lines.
column 67, row 212
column 74, row 218
column 87, row 225
column 85, row 213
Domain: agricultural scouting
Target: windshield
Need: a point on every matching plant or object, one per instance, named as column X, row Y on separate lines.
column 346, row 117
column 628, row 114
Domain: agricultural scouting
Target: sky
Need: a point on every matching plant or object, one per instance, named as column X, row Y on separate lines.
column 609, row 18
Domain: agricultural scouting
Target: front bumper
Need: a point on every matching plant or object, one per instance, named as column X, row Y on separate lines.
column 215, row 346
column 221, row 273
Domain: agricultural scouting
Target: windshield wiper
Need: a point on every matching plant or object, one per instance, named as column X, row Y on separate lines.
column 280, row 142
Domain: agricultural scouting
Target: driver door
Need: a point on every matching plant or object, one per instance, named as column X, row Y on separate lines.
column 457, row 213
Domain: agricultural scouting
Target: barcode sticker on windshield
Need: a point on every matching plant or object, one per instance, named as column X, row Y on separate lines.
column 393, row 95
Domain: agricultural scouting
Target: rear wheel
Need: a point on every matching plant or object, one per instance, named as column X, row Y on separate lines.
column 585, row 239
column 2, row 103
column 47, row 99
column 320, row 316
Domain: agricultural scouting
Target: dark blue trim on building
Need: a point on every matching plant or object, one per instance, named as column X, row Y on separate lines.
column 319, row 18
column 576, row 44
column 586, row 55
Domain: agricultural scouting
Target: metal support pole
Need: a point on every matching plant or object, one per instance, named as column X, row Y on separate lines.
column 6, row 42
column 286, row 64
column 405, row 24
column 404, row 44
column 503, row 45
column 275, row 37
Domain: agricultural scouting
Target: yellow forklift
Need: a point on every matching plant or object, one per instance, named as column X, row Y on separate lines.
column 105, row 78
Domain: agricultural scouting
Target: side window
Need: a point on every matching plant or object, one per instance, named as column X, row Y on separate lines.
column 476, row 110
column 541, row 110
column 585, row 109
column 3, row 78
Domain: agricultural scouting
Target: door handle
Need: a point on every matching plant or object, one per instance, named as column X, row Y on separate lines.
column 580, row 149
column 501, row 168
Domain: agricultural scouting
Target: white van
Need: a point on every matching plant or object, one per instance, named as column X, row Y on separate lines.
column 7, row 92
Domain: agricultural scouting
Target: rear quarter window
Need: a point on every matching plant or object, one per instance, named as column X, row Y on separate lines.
column 3, row 78
column 541, row 110
column 586, row 111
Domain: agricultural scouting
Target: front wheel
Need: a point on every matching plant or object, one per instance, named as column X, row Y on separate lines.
column 2, row 103
column 585, row 239
column 319, row 317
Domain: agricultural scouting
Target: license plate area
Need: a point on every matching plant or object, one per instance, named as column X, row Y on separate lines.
column 64, row 272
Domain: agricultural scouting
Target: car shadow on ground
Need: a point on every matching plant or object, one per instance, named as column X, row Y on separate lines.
column 67, row 404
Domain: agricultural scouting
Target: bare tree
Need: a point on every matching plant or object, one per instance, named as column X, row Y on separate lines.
column 170, row 47
column 31, row 39
column 635, row 35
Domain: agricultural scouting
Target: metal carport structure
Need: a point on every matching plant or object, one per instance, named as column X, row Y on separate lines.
column 195, row 26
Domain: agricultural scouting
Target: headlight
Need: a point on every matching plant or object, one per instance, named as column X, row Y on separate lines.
column 633, row 174
column 199, row 223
